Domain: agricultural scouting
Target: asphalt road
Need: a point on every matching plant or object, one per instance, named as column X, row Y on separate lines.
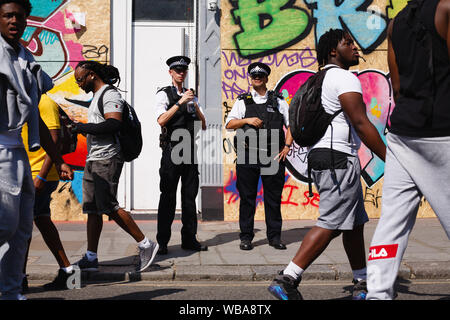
column 230, row 291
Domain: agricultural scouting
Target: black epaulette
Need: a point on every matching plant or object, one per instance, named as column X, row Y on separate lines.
column 246, row 95
column 163, row 89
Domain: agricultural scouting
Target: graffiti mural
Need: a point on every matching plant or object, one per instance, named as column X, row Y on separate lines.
column 258, row 30
column 378, row 98
column 368, row 28
column 261, row 22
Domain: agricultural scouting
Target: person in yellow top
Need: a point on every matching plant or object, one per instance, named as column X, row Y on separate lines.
column 46, row 179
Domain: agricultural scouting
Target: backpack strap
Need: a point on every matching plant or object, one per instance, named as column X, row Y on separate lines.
column 100, row 99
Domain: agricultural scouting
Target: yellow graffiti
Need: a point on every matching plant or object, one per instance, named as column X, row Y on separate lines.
column 68, row 85
column 375, row 108
column 395, row 7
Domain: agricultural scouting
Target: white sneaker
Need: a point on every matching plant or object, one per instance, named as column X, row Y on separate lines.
column 147, row 255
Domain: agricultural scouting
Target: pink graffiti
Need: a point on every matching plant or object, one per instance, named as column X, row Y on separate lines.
column 74, row 49
column 377, row 95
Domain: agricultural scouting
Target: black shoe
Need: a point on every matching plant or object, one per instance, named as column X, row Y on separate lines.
column 246, row 245
column 60, row 282
column 359, row 291
column 193, row 245
column 278, row 245
column 162, row 249
column 25, row 287
column 284, row 287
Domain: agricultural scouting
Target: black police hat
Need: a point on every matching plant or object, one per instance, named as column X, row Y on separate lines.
column 178, row 62
column 258, row 68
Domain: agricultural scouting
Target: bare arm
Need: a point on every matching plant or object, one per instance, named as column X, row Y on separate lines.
column 392, row 63
column 442, row 22
column 288, row 143
column 47, row 165
column 200, row 116
column 239, row 123
column 353, row 105
column 64, row 171
column 166, row 116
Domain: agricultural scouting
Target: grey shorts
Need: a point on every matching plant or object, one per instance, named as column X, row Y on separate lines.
column 42, row 199
column 100, row 182
column 341, row 205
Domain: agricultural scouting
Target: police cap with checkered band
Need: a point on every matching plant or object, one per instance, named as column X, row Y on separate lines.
column 258, row 68
column 178, row 62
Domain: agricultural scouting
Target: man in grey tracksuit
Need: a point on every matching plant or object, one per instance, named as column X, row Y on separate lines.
column 22, row 81
column 418, row 142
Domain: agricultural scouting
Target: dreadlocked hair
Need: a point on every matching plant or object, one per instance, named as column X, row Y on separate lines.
column 26, row 5
column 108, row 73
column 327, row 42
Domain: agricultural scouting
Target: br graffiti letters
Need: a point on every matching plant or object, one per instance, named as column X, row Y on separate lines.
column 268, row 26
column 367, row 27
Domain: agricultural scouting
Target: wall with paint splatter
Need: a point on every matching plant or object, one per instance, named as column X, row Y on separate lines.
column 60, row 33
column 284, row 34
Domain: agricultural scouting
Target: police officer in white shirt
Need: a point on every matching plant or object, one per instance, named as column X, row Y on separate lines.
column 265, row 113
column 178, row 108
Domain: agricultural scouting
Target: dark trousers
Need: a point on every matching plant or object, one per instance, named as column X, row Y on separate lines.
column 247, row 185
column 170, row 174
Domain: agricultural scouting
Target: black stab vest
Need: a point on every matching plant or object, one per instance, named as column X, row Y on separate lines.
column 272, row 118
column 181, row 119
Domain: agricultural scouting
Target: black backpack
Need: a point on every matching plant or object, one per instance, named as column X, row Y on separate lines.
column 307, row 117
column 67, row 139
column 130, row 135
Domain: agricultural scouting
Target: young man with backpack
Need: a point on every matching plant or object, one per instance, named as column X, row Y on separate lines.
column 104, row 162
column 260, row 113
column 418, row 142
column 335, row 169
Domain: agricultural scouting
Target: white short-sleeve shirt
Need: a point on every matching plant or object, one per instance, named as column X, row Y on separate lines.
column 338, row 81
column 162, row 103
column 238, row 110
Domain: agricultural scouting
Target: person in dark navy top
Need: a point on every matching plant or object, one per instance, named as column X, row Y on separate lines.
column 263, row 114
column 178, row 108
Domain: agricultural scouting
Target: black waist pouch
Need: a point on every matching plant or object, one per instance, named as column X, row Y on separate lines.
column 325, row 159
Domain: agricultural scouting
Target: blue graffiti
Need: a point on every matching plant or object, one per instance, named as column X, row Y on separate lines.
column 42, row 9
column 367, row 27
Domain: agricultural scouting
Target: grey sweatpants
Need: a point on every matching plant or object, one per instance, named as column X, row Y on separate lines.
column 414, row 167
column 16, row 218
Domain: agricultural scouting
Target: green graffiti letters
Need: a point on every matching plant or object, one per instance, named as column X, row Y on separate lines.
column 268, row 26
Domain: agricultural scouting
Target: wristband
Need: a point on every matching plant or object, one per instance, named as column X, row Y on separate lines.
column 287, row 145
column 40, row 178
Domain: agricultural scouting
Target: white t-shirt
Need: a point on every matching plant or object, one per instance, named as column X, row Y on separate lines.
column 101, row 147
column 238, row 110
column 338, row 81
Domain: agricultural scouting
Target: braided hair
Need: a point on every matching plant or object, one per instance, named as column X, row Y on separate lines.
column 107, row 73
column 327, row 42
column 26, row 5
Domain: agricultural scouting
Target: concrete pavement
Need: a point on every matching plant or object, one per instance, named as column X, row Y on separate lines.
column 427, row 256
